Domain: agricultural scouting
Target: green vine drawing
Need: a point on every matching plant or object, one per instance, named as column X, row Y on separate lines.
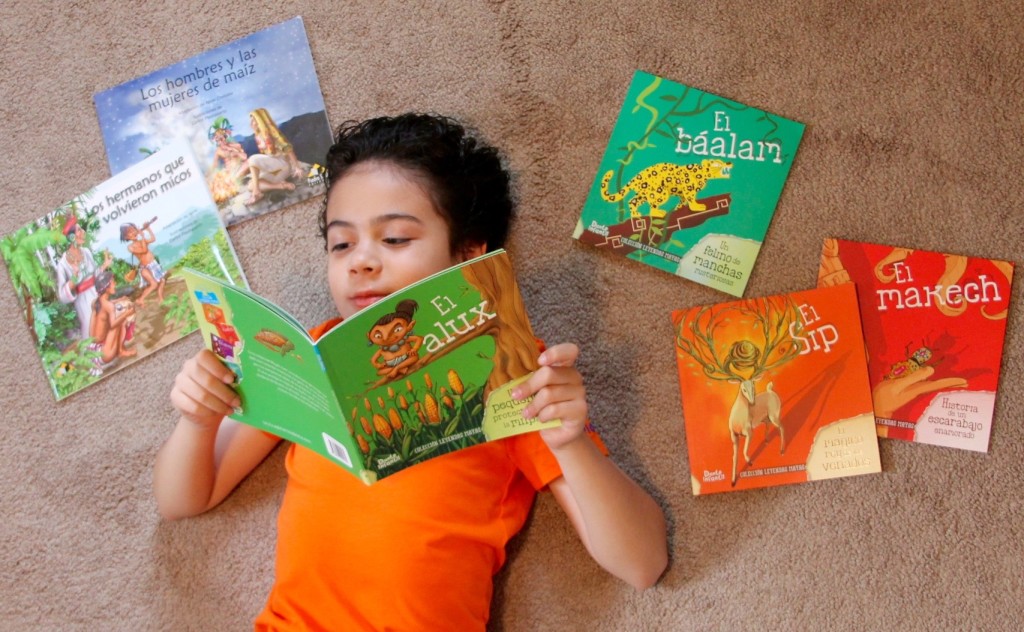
column 665, row 125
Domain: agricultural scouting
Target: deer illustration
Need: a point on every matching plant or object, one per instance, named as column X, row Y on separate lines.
column 744, row 360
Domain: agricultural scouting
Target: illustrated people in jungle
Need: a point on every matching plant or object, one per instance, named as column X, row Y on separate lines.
column 113, row 324
column 273, row 168
column 151, row 273
column 230, row 162
column 399, row 346
column 75, row 274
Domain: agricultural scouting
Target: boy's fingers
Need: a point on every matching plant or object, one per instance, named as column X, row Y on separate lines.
column 208, row 362
column 213, row 395
column 567, row 412
column 206, row 389
column 195, row 378
column 547, row 376
column 564, row 354
column 555, row 375
column 203, row 406
column 558, row 394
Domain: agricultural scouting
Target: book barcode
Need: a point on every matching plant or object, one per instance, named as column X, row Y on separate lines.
column 337, row 450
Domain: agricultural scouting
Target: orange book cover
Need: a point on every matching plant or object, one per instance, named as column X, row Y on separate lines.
column 934, row 326
column 775, row 390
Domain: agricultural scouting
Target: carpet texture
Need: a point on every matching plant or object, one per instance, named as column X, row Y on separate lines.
column 914, row 137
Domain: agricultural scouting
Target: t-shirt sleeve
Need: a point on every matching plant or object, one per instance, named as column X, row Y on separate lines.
column 535, row 460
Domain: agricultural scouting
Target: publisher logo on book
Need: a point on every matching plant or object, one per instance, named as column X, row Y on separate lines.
column 713, row 476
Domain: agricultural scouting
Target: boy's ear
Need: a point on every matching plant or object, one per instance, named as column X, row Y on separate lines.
column 473, row 250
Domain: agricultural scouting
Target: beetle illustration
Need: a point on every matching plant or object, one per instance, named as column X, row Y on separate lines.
column 914, row 361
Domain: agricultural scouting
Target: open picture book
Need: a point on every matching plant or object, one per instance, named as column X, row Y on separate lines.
column 424, row 372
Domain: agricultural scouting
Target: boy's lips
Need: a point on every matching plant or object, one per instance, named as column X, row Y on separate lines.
column 364, row 299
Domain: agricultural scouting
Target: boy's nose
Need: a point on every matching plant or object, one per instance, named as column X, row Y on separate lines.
column 364, row 259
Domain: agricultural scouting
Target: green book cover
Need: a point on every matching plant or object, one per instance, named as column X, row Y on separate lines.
column 689, row 182
column 424, row 372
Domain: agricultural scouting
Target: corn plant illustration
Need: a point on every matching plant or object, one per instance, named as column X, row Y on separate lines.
column 404, row 427
column 740, row 343
column 441, row 407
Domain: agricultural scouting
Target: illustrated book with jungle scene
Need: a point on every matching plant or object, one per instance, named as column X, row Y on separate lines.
column 775, row 390
column 97, row 277
column 935, row 325
column 689, row 182
column 424, row 372
column 252, row 110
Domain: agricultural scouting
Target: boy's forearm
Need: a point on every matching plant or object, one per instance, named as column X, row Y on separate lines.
column 185, row 471
column 624, row 527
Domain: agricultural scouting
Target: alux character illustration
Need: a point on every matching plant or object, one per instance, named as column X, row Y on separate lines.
column 399, row 346
column 772, row 322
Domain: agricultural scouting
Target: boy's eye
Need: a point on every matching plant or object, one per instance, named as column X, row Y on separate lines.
column 342, row 245
column 395, row 241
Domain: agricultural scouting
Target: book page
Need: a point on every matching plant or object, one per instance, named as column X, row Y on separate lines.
column 251, row 109
column 280, row 378
column 97, row 278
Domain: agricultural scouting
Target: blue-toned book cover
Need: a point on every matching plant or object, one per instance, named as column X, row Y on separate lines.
column 251, row 110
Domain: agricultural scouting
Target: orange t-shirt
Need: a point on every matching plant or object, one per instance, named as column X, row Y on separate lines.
column 414, row 551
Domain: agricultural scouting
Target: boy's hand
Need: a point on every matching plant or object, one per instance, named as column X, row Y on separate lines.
column 558, row 393
column 201, row 392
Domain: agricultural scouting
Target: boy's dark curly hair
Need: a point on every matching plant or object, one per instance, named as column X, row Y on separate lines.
column 468, row 184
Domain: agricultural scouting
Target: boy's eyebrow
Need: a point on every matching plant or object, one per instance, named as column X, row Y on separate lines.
column 376, row 221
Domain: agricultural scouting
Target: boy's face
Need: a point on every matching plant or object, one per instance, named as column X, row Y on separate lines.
column 383, row 233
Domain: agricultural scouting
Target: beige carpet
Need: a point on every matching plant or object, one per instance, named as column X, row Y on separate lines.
column 914, row 137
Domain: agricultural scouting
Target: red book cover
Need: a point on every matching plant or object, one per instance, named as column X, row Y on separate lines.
column 775, row 390
column 934, row 326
